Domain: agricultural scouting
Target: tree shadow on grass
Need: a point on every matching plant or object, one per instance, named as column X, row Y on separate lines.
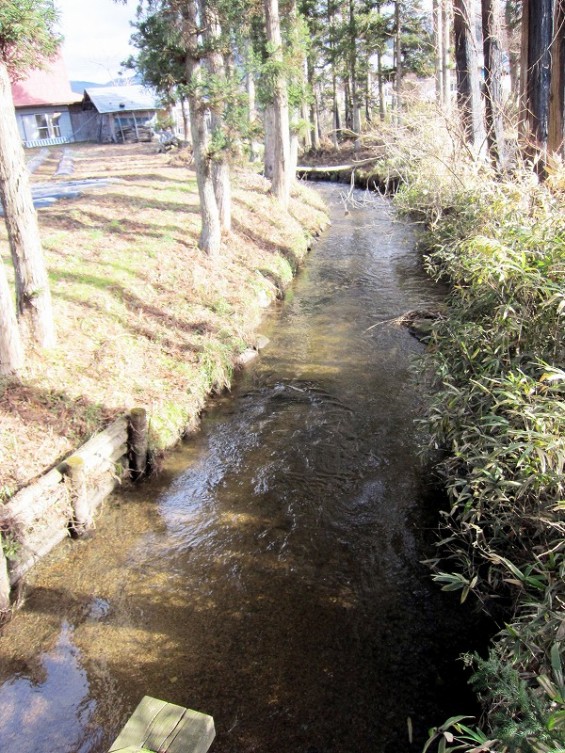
column 125, row 228
column 150, row 177
column 135, row 202
column 133, row 302
column 274, row 248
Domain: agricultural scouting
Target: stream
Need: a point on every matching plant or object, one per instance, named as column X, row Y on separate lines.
column 270, row 576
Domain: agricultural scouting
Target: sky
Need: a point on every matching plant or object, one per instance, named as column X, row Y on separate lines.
column 96, row 37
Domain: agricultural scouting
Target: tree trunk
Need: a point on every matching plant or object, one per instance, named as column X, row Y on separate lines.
column 185, row 119
column 251, row 115
column 281, row 168
column 336, row 120
column 210, row 235
column 11, row 349
column 557, row 95
column 380, row 84
column 468, row 82
column 369, row 97
column 492, row 51
column 446, row 23
column 314, row 124
column 293, row 151
column 307, row 132
column 438, row 49
column 537, row 32
column 348, row 108
column 398, row 60
column 220, row 163
column 33, row 297
column 353, row 72
column 269, row 153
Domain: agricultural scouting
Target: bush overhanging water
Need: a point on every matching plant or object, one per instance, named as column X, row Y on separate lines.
column 497, row 414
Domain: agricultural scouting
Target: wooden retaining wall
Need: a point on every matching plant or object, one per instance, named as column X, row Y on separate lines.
column 62, row 502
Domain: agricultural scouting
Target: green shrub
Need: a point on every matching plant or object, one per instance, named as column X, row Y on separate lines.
column 496, row 366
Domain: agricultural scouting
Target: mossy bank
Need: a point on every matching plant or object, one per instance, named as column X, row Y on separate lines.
column 143, row 317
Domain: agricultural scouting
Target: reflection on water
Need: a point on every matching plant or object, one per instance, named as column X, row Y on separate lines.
column 276, row 583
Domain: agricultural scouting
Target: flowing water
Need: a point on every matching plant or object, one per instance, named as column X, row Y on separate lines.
column 270, row 576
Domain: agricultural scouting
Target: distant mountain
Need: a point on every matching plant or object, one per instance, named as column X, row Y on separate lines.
column 79, row 86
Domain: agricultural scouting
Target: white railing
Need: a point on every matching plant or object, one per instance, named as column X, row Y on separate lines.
column 48, row 142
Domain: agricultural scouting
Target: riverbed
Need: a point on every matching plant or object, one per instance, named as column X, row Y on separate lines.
column 271, row 574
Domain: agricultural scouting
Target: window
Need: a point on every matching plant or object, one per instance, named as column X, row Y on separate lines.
column 48, row 125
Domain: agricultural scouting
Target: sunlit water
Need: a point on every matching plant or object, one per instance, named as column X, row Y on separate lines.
column 270, row 577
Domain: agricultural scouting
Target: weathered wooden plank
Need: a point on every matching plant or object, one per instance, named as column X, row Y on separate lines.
column 103, row 445
column 194, row 734
column 34, row 552
column 135, row 730
column 162, row 727
column 104, row 489
column 4, row 581
column 32, row 501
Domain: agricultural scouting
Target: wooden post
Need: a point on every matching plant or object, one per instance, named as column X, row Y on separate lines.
column 73, row 468
column 135, row 126
column 137, row 442
column 4, row 583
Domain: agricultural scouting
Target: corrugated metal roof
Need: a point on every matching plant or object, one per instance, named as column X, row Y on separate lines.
column 122, row 98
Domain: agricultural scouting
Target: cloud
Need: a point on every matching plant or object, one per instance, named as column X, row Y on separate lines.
column 96, row 37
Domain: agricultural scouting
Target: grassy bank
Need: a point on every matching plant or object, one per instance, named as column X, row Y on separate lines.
column 497, row 416
column 143, row 317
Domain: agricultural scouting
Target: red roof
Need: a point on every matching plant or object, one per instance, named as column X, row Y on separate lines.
column 45, row 86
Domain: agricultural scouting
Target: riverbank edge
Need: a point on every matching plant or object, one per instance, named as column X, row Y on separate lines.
column 496, row 415
column 481, row 233
column 49, row 496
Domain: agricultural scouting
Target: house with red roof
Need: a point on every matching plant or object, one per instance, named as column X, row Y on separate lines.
column 42, row 103
column 50, row 113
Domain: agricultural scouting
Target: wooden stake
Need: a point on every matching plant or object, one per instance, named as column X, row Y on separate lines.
column 82, row 517
column 4, row 583
column 137, row 441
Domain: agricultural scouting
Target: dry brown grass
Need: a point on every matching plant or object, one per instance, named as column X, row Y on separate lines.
column 143, row 317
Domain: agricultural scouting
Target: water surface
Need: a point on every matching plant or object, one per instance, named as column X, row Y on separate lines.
column 270, row 577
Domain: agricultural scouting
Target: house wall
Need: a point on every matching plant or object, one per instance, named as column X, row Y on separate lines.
column 44, row 125
column 104, row 128
column 86, row 124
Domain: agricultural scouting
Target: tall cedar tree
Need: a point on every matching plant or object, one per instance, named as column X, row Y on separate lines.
column 211, row 233
column 180, row 54
column 492, row 49
column 27, row 40
column 282, row 177
column 535, row 66
column 218, row 94
column 557, row 95
column 469, row 99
